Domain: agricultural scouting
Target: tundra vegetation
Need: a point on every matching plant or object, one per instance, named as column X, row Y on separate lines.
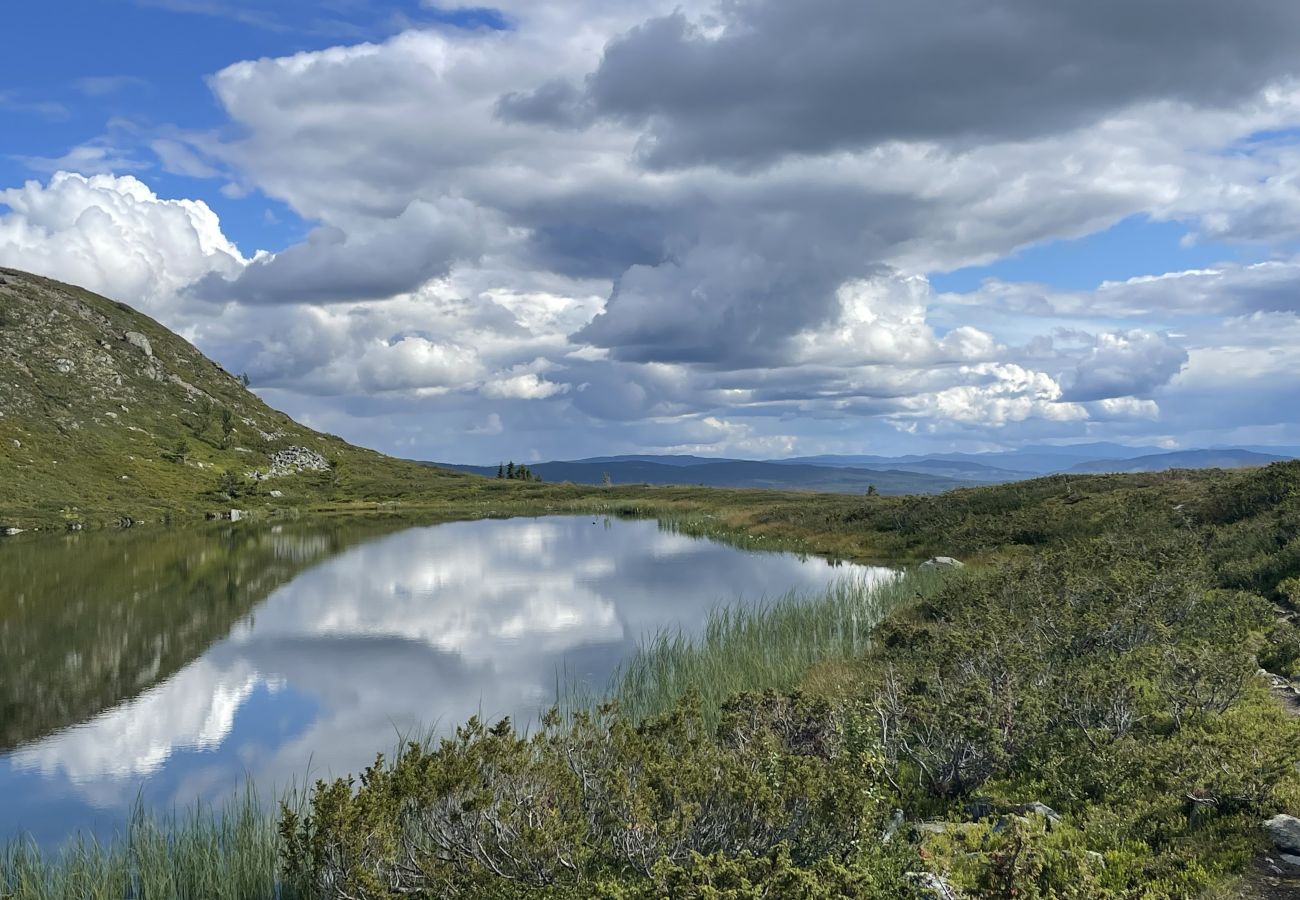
column 1078, row 714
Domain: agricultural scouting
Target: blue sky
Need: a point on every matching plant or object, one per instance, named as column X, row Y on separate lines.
column 131, row 66
column 862, row 243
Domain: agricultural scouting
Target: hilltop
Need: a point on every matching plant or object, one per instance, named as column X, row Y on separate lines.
column 107, row 416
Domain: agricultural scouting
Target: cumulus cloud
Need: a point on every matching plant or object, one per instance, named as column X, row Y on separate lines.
column 374, row 261
column 113, row 235
column 1126, row 364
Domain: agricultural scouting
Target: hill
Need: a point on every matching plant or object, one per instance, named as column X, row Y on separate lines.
column 736, row 473
column 1184, row 459
column 105, row 415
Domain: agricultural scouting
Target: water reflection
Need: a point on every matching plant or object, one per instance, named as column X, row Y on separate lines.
column 419, row 628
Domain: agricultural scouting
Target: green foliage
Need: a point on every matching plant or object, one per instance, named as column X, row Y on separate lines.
column 178, row 452
column 601, row 806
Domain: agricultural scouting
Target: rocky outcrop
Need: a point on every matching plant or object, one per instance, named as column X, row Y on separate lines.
column 943, row 562
column 291, row 461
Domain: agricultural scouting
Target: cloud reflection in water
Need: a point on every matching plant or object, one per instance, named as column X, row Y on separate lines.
column 418, row 629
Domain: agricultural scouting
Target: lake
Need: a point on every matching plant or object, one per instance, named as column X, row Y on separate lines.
column 175, row 666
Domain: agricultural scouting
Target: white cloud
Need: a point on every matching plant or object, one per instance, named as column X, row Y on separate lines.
column 113, row 235
column 522, row 387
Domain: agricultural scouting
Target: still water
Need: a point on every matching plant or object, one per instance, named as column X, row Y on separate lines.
column 174, row 667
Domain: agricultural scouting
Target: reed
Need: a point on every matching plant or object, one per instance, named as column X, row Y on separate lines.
column 771, row 646
column 201, row 855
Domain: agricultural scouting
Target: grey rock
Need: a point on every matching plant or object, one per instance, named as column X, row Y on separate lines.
column 139, row 341
column 1285, row 833
column 891, row 827
column 943, row 562
column 292, row 460
column 1095, row 858
column 277, row 494
column 930, row 827
column 1290, row 859
column 10, row 531
column 18, row 445
column 932, row 885
column 1038, row 809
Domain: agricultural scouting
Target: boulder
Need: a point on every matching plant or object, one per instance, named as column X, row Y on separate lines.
column 10, row 531
column 1038, row 809
column 1285, row 833
column 138, row 341
column 943, row 562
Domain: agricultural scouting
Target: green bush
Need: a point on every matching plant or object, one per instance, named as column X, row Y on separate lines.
column 776, row 793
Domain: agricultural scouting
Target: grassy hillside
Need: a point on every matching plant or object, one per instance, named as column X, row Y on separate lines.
column 106, row 414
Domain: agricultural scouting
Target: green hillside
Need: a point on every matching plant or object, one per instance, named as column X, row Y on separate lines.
column 106, row 415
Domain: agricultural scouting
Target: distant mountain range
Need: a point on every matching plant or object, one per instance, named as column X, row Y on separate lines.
column 1185, row 459
column 734, row 473
column 912, row 474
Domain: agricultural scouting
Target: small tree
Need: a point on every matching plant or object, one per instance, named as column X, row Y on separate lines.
column 501, row 470
column 245, row 380
column 227, row 427
column 605, row 479
column 229, row 483
column 510, row 469
column 202, row 417
column 179, row 451
column 871, row 491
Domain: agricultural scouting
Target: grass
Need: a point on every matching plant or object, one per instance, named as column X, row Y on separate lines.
column 753, row 648
column 206, row 855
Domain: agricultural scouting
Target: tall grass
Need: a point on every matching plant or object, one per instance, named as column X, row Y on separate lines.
column 754, row 648
column 204, row 855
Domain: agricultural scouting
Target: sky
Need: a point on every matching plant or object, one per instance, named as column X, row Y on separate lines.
column 561, row 228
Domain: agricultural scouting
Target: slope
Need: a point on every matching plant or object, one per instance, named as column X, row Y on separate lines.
column 105, row 415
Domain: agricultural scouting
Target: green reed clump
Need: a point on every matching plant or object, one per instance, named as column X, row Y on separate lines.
column 205, row 855
column 758, row 648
